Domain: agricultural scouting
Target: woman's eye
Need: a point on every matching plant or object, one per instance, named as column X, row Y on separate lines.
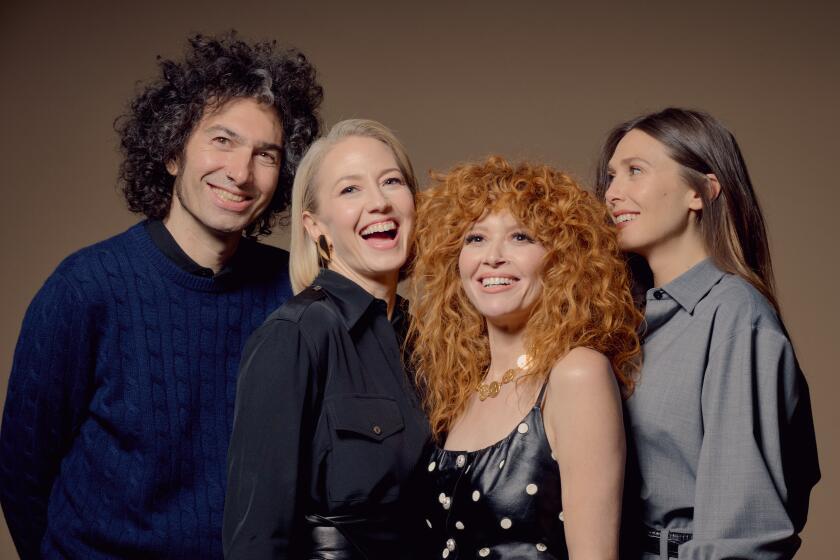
column 610, row 177
column 472, row 238
column 635, row 170
column 522, row 236
column 349, row 189
column 394, row 181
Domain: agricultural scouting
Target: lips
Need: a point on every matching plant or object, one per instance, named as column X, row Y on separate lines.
column 497, row 283
column 381, row 235
column 624, row 217
column 228, row 200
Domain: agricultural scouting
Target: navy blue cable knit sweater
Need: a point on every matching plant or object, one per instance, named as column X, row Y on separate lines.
column 120, row 401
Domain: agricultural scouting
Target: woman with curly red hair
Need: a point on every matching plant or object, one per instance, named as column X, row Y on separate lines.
column 523, row 330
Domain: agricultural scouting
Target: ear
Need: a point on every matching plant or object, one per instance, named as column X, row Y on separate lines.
column 312, row 226
column 696, row 201
column 172, row 167
column 713, row 185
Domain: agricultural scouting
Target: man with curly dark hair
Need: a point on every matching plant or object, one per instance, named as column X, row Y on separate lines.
column 121, row 397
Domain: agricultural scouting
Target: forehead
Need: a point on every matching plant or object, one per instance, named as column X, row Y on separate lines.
column 356, row 155
column 247, row 118
column 497, row 218
column 638, row 144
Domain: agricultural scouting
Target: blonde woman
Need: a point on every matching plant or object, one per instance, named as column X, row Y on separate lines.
column 327, row 427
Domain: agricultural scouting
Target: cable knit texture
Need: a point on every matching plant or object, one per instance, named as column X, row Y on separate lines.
column 120, row 402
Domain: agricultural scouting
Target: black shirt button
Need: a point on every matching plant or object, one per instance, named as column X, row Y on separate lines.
column 376, row 429
column 658, row 294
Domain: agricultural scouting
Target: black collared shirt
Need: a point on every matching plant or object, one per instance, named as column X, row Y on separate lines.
column 326, row 423
column 164, row 241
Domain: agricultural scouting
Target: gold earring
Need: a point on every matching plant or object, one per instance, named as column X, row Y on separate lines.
column 323, row 251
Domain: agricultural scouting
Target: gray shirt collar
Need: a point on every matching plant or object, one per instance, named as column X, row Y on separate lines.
column 691, row 286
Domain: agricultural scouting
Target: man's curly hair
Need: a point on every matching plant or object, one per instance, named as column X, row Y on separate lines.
column 214, row 71
column 585, row 297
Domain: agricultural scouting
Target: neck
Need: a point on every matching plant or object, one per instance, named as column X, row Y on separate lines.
column 506, row 345
column 382, row 287
column 674, row 257
column 209, row 249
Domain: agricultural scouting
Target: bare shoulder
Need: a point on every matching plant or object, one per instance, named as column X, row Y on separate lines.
column 581, row 366
column 583, row 372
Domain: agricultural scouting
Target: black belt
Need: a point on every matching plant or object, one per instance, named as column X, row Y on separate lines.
column 675, row 539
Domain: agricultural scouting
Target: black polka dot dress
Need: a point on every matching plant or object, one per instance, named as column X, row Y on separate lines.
column 502, row 501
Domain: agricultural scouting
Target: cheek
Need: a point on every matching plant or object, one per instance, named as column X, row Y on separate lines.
column 266, row 181
column 465, row 266
column 405, row 204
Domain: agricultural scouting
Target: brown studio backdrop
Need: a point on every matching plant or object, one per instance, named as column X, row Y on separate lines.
column 541, row 80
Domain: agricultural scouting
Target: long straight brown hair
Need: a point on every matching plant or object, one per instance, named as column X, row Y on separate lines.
column 732, row 224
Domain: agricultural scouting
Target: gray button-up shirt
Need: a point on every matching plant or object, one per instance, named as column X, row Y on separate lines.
column 721, row 420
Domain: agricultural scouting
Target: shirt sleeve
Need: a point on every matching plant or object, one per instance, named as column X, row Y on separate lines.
column 268, row 470
column 758, row 459
column 46, row 402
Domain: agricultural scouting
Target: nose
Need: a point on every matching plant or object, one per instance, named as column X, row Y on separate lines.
column 238, row 167
column 377, row 200
column 614, row 192
column 494, row 256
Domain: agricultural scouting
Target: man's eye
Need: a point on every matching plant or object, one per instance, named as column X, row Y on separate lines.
column 269, row 157
column 221, row 140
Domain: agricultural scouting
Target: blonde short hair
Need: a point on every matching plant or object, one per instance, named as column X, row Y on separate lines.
column 303, row 258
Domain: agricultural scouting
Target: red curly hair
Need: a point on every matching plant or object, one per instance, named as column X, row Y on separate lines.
column 585, row 301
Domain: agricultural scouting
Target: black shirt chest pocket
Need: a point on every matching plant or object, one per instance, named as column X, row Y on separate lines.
column 364, row 464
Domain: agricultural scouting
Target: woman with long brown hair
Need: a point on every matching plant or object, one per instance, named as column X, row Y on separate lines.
column 721, row 418
column 523, row 331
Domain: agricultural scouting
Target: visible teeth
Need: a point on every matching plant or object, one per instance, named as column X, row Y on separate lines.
column 221, row 193
column 379, row 228
column 496, row 281
column 625, row 218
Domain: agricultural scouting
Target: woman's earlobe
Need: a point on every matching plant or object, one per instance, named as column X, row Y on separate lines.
column 172, row 167
column 310, row 225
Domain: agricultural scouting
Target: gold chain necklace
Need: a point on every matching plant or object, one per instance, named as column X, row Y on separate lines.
column 492, row 389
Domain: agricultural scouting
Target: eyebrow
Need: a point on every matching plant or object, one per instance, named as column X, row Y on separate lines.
column 356, row 177
column 634, row 158
column 239, row 138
